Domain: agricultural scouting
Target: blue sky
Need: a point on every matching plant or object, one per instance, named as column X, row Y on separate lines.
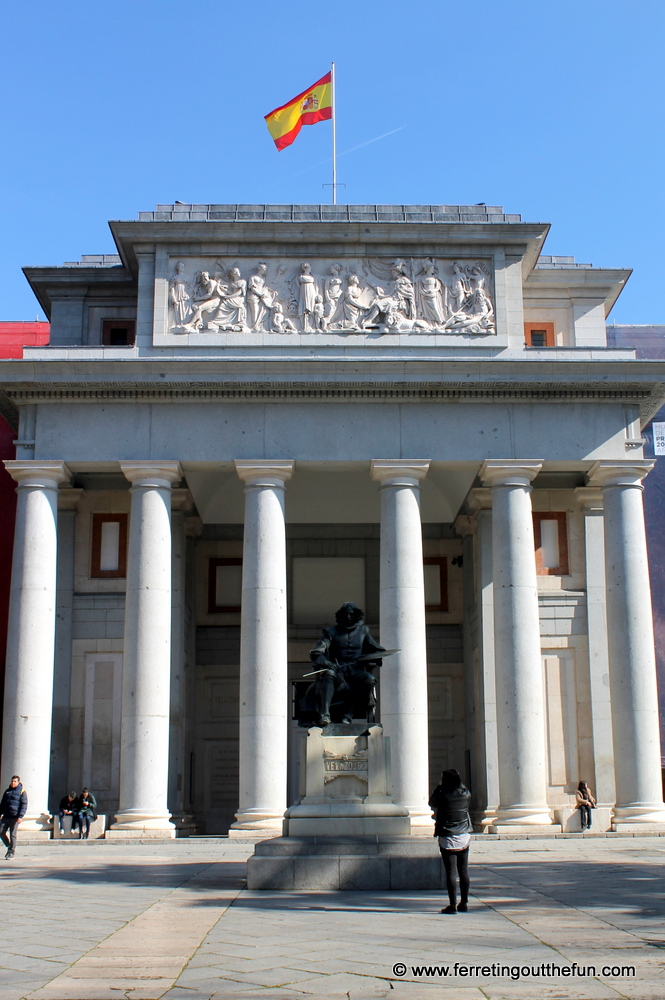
column 553, row 109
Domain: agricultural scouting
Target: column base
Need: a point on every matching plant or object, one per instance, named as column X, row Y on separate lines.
column 255, row 822
column 483, row 820
column 422, row 824
column 38, row 826
column 115, row 834
column 639, row 814
column 528, row 829
column 133, row 823
column 184, row 824
column 535, row 815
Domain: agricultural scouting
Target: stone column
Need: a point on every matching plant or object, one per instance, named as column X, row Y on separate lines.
column 181, row 817
column 479, row 634
column 146, row 673
column 520, row 705
column 639, row 792
column 26, row 737
column 264, row 696
column 68, row 500
column 404, row 713
column 591, row 502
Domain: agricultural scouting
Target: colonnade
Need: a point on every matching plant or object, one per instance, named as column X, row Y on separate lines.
column 143, row 807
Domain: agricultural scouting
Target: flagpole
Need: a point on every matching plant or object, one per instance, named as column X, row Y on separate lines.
column 334, row 138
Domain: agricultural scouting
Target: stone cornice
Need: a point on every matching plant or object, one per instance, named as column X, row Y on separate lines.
column 638, row 382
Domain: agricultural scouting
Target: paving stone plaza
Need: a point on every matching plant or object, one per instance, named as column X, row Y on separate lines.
column 100, row 920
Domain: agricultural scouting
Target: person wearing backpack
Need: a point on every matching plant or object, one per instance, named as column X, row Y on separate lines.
column 13, row 806
column 450, row 803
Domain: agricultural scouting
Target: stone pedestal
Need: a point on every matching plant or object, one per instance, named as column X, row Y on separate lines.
column 344, row 786
column 353, row 864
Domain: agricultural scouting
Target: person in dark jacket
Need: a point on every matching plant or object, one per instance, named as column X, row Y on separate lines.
column 67, row 808
column 450, row 803
column 86, row 812
column 13, row 806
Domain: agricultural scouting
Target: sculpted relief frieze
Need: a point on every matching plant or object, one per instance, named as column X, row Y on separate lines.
column 403, row 295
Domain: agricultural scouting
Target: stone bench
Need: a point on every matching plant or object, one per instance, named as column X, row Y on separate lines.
column 97, row 828
column 571, row 820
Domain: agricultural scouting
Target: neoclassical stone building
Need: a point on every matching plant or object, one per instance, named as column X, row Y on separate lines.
column 254, row 413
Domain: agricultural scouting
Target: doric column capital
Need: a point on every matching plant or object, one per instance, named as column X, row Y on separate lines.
column 590, row 499
column 509, row 471
column 193, row 526
column 399, row 471
column 264, row 471
column 158, row 474
column 479, row 498
column 465, row 525
column 619, row 472
column 181, row 500
column 48, row 475
column 68, row 498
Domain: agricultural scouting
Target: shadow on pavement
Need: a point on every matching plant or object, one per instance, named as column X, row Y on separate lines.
column 229, row 875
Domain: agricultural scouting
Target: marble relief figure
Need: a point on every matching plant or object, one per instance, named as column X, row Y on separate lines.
column 430, row 291
column 259, row 298
column 368, row 295
column 231, row 313
column 179, row 296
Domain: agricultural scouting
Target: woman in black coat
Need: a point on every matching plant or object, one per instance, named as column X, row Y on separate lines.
column 450, row 802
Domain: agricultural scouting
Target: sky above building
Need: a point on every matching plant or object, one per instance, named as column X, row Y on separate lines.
column 553, row 110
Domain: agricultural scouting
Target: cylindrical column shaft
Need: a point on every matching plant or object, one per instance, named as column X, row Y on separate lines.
column 404, row 707
column 26, row 739
column 633, row 690
column 144, row 734
column 263, row 649
column 520, row 705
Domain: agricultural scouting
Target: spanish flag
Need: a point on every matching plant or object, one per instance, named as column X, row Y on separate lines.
column 312, row 106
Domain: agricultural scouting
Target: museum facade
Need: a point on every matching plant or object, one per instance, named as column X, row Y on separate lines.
column 253, row 414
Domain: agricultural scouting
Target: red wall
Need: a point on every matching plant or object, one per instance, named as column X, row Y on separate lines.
column 13, row 338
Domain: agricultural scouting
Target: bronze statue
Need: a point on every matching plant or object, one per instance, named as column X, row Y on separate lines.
column 344, row 686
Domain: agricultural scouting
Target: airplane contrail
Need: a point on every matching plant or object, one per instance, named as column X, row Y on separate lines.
column 322, row 163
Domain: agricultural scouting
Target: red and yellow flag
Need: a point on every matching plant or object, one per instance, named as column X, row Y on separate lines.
column 312, row 106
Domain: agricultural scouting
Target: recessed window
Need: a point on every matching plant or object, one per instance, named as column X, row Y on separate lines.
column 118, row 332
column 321, row 584
column 436, row 583
column 551, row 540
column 224, row 586
column 539, row 334
column 109, row 545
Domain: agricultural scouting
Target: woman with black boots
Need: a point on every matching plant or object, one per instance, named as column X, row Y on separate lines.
column 450, row 803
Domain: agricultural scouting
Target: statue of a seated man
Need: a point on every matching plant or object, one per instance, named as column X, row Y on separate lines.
column 342, row 680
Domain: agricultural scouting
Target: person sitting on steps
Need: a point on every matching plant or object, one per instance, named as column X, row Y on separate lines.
column 585, row 803
column 67, row 808
column 86, row 811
